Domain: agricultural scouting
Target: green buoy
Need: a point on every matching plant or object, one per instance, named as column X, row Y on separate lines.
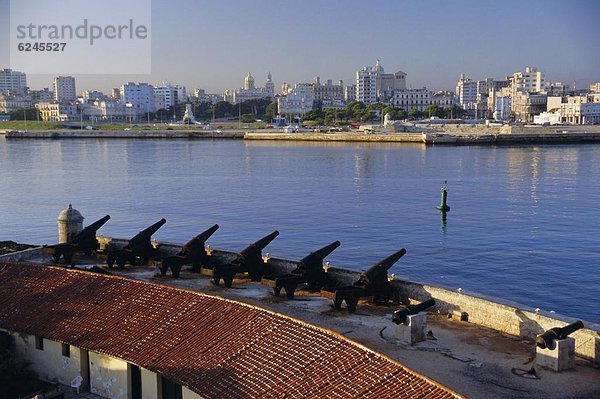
column 443, row 207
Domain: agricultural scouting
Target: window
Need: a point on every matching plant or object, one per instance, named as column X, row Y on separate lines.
column 39, row 343
column 66, row 350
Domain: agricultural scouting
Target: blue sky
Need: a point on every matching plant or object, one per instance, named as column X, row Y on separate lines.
column 213, row 44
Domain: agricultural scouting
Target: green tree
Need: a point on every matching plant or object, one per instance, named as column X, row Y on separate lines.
column 269, row 111
column 313, row 115
column 19, row 114
column 222, row 109
column 415, row 114
column 248, row 118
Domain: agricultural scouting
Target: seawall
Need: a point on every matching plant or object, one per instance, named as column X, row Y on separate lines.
column 125, row 134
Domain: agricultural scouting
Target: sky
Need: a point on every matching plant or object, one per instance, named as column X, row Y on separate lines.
column 214, row 44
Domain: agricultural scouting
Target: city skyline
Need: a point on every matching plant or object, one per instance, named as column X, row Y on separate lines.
column 213, row 46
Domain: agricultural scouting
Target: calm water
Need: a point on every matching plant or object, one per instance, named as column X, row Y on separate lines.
column 523, row 223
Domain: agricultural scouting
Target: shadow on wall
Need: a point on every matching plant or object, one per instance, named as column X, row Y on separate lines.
column 527, row 326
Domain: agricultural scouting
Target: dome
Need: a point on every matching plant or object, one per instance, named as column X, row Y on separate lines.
column 70, row 215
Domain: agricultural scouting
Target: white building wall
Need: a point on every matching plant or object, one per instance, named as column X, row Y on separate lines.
column 49, row 363
column 187, row 394
column 108, row 376
column 150, row 384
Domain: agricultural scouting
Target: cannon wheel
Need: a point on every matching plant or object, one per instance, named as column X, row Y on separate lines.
column 216, row 279
column 56, row 255
column 121, row 263
column 277, row 291
column 110, row 261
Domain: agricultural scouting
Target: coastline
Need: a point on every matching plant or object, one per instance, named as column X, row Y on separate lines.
column 425, row 134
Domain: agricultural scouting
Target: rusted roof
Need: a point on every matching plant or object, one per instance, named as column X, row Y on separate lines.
column 216, row 347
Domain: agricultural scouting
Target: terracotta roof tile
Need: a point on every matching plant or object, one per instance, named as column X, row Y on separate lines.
column 215, row 347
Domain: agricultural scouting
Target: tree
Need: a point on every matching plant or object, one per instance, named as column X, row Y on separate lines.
column 415, row 114
column 222, row 109
column 247, row 118
column 19, row 114
column 269, row 112
column 312, row 115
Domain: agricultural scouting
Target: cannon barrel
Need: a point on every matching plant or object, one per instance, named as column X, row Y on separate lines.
column 93, row 228
column 316, row 258
column 201, row 238
column 546, row 340
column 379, row 270
column 400, row 315
column 258, row 246
column 148, row 231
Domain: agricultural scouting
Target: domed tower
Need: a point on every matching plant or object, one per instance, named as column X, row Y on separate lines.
column 249, row 82
column 270, row 86
column 70, row 223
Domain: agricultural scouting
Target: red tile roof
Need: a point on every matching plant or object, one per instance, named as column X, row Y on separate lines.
column 213, row 346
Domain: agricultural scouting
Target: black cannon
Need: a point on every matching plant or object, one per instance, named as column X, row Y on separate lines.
column 138, row 250
column 309, row 271
column 248, row 260
column 374, row 282
column 84, row 242
column 548, row 338
column 193, row 252
column 400, row 315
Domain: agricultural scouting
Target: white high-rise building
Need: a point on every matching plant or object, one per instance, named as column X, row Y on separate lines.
column 530, row 81
column 373, row 84
column 466, row 92
column 139, row 95
column 167, row 95
column 12, row 81
column 64, row 89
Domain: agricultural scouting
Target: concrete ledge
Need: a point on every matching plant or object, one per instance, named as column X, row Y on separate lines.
column 362, row 137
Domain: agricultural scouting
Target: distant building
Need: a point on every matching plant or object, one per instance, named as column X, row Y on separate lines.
column 167, row 95
column 595, row 87
column 373, row 85
column 139, row 95
column 43, row 95
column 297, row 102
column 64, row 89
column 116, row 93
column 412, row 99
column 443, row 99
column 55, row 111
column 530, row 81
column 270, row 86
column 328, row 91
column 12, row 102
column 249, row 82
column 250, row 92
column 524, row 105
column 466, row 92
column 350, row 93
column 13, row 81
column 93, row 95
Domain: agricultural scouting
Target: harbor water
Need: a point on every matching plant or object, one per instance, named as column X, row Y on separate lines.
column 523, row 223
